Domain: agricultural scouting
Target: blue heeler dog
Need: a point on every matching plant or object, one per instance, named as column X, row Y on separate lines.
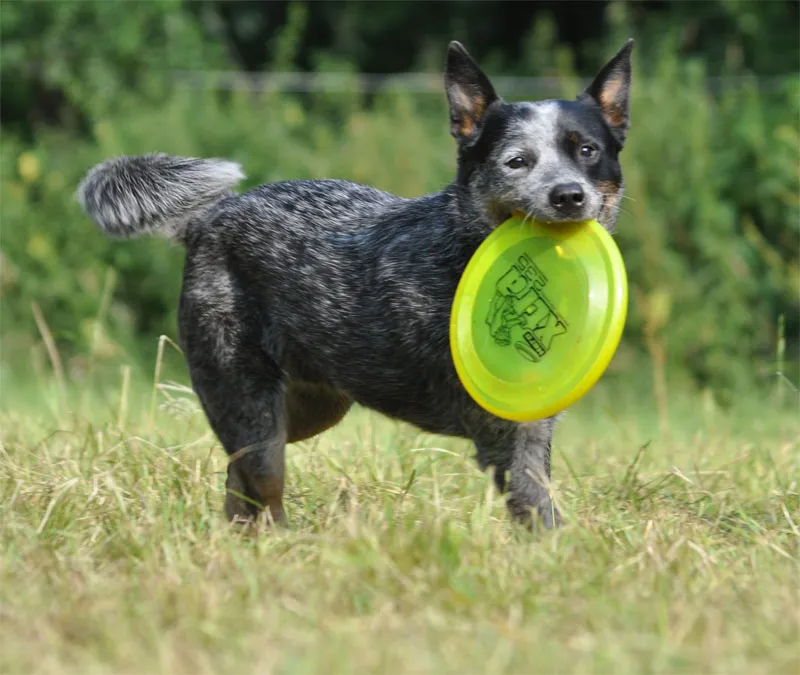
column 304, row 296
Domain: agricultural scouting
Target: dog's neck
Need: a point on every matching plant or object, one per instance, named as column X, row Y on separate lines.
column 472, row 213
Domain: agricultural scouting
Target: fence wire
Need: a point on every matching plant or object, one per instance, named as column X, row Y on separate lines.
column 415, row 83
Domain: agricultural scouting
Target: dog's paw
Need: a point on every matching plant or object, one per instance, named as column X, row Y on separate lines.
column 545, row 514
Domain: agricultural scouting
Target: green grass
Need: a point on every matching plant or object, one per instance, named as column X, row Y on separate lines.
column 680, row 554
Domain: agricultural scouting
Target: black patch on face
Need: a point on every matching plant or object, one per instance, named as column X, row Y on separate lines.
column 580, row 124
column 499, row 119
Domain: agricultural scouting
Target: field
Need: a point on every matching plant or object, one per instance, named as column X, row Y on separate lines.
column 680, row 553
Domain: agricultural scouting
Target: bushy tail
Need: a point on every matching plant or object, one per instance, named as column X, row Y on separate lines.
column 154, row 194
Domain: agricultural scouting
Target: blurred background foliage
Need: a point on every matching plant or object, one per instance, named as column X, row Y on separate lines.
column 711, row 232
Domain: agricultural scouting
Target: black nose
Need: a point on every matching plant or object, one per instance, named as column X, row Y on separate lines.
column 567, row 197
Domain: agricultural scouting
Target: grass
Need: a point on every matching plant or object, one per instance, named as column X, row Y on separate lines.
column 681, row 554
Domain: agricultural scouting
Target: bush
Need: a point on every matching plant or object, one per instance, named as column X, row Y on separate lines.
column 709, row 231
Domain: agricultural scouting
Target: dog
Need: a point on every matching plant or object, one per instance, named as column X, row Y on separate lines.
column 303, row 297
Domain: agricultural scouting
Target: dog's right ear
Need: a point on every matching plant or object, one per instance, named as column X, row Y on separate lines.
column 469, row 92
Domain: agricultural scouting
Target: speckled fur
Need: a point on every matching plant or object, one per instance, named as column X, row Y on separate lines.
column 302, row 297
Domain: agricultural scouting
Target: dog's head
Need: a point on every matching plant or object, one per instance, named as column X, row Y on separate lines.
column 553, row 160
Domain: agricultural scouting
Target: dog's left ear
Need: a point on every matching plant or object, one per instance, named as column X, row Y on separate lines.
column 469, row 92
column 611, row 91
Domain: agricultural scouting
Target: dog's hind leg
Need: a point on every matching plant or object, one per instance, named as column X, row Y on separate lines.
column 241, row 389
column 311, row 409
column 244, row 406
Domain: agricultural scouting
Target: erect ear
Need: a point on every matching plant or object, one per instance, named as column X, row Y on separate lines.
column 469, row 92
column 611, row 91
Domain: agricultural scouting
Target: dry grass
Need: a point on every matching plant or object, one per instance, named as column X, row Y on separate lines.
column 679, row 555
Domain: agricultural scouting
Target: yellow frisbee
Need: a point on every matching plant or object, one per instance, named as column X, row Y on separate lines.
column 537, row 316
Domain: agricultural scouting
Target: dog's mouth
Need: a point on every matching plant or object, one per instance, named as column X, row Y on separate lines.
column 550, row 219
column 554, row 216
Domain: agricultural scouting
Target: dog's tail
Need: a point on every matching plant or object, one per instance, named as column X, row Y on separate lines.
column 155, row 194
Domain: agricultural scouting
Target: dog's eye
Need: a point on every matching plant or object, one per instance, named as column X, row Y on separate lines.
column 587, row 151
column 516, row 163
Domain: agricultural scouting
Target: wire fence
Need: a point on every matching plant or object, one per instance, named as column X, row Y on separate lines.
column 415, row 83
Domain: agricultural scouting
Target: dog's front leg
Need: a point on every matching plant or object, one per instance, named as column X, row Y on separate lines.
column 524, row 451
column 529, row 484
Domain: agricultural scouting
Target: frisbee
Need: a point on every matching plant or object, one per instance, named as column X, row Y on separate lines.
column 537, row 316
